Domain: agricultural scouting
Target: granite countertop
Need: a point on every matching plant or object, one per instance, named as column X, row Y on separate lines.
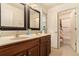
column 13, row 39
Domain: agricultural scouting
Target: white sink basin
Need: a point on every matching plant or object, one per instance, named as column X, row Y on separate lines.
column 24, row 36
column 19, row 38
column 7, row 37
column 11, row 39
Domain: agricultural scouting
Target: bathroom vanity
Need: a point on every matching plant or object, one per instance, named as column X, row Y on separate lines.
column 19, row 16
column 39, row 45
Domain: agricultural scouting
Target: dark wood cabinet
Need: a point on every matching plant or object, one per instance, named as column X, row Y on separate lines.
column 48, row 44
column 45, row 45
column 40, row 46
column 22, row 53
column 34, row 51
column 43, row 50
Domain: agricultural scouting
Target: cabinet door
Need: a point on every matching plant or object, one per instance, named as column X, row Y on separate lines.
column 22, row 53
column 45, row 46
column 43, row 49
column 34, row 51
column 48, row 48
column 48, row 45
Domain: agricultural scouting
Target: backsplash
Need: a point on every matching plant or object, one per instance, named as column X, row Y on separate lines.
column 8, row 33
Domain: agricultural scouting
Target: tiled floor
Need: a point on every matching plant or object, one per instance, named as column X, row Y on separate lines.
column 63, row 51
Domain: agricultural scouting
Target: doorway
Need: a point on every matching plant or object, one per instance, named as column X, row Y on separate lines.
column 66, row 28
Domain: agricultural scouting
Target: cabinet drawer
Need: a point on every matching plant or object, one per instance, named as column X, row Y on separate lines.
column 13, row 49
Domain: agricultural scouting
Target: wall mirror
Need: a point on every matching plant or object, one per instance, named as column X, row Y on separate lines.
column 12, row 16
column 34, row 19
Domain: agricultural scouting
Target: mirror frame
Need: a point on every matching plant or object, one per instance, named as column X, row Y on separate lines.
column 14, row 28
column 29, row 18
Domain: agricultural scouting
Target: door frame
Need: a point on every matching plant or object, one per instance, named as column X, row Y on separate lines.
column 58, row 28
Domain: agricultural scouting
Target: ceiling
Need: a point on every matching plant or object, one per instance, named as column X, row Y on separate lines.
column 48, row 5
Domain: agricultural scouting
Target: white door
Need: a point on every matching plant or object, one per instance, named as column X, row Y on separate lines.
column 77, row 29
column 68, row 25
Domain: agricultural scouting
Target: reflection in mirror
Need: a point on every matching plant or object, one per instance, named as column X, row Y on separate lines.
column 34, row 19
column 12, row 16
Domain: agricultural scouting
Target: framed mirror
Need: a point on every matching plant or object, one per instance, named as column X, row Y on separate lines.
column 12, row 16
column 34, row 19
